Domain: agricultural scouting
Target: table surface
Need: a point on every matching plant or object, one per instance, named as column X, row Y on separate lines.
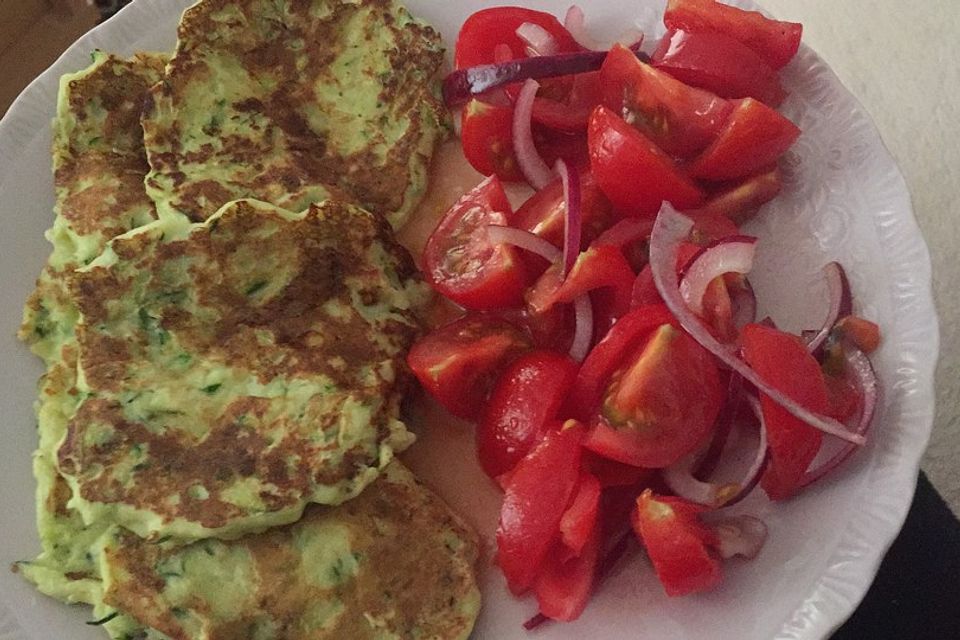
column 900, row 59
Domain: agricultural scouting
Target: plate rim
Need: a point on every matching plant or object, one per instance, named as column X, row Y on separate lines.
column 843, row 589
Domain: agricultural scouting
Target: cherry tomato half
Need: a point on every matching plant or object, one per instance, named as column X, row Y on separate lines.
column 632, row 171
column 487, row 29
column 461, row 263
column 459, row 362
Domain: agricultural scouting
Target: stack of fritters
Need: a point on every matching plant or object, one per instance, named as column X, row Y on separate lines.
column 221, row 369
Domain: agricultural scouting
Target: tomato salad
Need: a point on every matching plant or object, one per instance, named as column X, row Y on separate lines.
column 608, row 348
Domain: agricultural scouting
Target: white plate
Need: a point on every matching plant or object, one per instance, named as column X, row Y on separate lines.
column 845, row 199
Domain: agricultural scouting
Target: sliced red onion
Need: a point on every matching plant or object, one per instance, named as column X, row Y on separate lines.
column 681, row 480
column 463, row 84
column 728, row 255
column 738, row 535
column 840, row 303
column 538, row 40
column 744, row 302
column 573, row 219
column 672, row 228
column 583, row 333
column 575, row 23
column 523, row 239
column 858, row 364
column 533, row 167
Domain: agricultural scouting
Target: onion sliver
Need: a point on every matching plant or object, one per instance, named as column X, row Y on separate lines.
column 672, row 228
column 462, row 84
column 859, row 365
column 738, row 535
column 573, row 219
column 728, row 255
column 523, row 239
column 840, row 303
column 575, row 22
column 583, row 334
column 533, row 167
column 539, row 41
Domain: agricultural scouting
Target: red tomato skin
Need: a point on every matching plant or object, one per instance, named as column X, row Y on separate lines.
column 644, row 290
column 458, row 362
column 754, row 138
column 486, row 133
column 544, row 213
column 579, row 521
column 535, row 499
column 783, row 361
column 775, row 41
column 565, row 584
column 571, row 113
column 632, row 171
column 677, row 544
column 610, row 473
column 483, row 276
column 660, row 405
column 484, row 30
column 606, row 357
column 526, row 397
column 679, row 119
column 719, row 64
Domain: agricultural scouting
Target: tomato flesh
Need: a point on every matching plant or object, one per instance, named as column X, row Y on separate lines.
column 545, row 212
column 679, row 119
column 741, row 200
column 579, row 521
column 535, row 499
column 458, row 363
column 754, row 137
column 782, row 360
column 632, row 171
column 677, row 543
column 564, row 586
column 775, row 41
column 718, row 63
column 486, row 133
column 461, row 263
column 661, row 405
column 527, row 396
column 571, row 112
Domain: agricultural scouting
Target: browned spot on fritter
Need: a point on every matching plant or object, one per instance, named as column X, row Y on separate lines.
column 290, row 159
column 414, row 593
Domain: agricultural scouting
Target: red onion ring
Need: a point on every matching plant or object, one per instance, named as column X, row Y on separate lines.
column 533, row 167
column 859, row 365
column 728, row 255
column 538, row 40
column 575, row 22
column 680, row 478
column 573, row 220
column 672, row 228
column 583, row 333
column 462, row 84
column 840, row 303
column 738, row 535
column 524, row 239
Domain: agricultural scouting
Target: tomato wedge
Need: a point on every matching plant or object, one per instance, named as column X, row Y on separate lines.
column 660, row 405
column 606, row 357
column 571, row 112
column 459, row 362
column 527, row 396
column 754, row 137
column 783, row 361
column 679, row 119
column 488, row 29
column 720, row 64
column 544, row 213
column 632, row 171
column 677, row 543
column 564, row 586
column 461, row 263
column 535, row 499
column 579, row 521
column 487, row 137
column 775, row 41
column 741, row 200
